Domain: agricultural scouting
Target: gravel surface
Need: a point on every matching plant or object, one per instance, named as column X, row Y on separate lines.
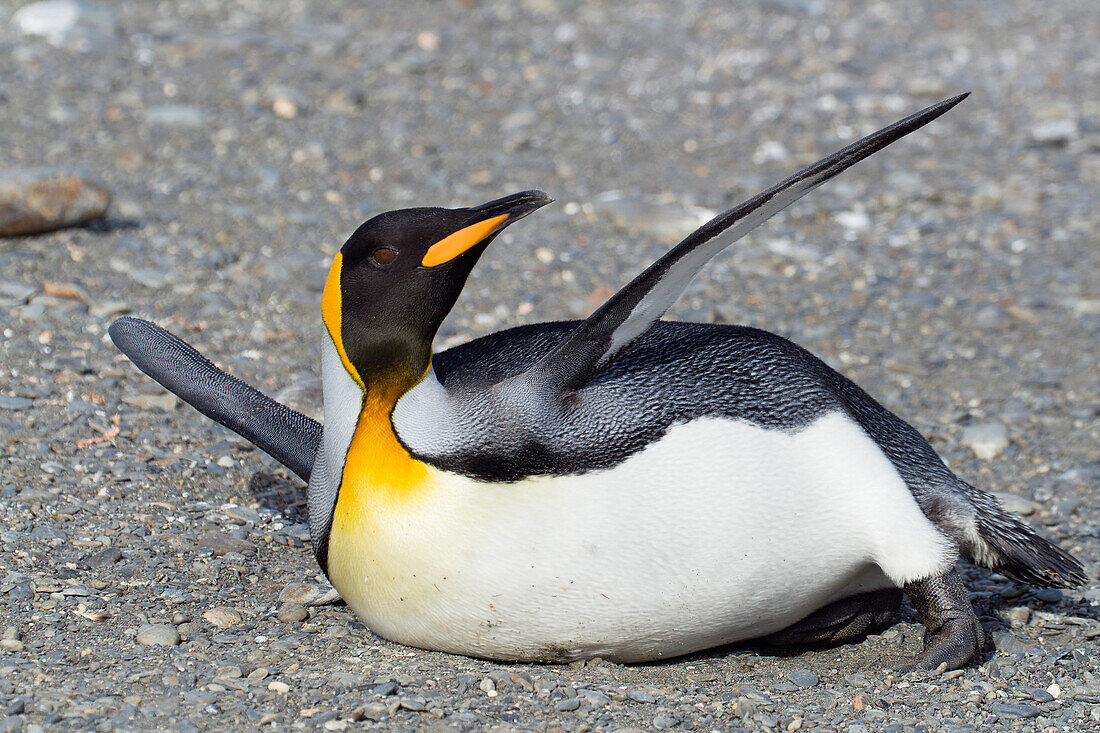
column 155, row 572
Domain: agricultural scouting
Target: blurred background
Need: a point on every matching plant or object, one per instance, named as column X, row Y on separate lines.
column 953, row 275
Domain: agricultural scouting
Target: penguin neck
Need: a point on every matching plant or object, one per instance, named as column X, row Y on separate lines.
column 378, row 469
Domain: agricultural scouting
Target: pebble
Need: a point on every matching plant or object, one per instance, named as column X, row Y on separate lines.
column 1015, row 710
column 1018, row 615
column 665, row 222
column 158, row 635
column 68, row 24
column 240, row 514
column 223, row 617
column 1015, row 503
column 175, row 115
column 15, row 403
column 1008, row 643
column 278, row 686
column 220, row 543
column 38, row 200
column 309, row 594
column 292, row 612
column 986, row 439
column 1054, row 132
column 804, row 678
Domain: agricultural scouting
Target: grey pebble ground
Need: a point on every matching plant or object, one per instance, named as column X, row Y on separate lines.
column 155, row 573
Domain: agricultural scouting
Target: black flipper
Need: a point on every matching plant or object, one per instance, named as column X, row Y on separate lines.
column 952, row 634
column 289, row 437
column 631, row 311
column 848, row 619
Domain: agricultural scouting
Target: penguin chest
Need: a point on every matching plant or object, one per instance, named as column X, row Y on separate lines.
column 719, row 531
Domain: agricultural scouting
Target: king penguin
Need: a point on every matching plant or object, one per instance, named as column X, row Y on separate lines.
column 621, row 487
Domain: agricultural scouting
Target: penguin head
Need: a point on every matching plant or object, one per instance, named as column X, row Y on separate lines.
column 396, row 278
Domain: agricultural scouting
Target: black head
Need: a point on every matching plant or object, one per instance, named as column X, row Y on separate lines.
column 400, row 273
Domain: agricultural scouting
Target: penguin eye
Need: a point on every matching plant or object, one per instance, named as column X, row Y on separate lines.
column 384, row 255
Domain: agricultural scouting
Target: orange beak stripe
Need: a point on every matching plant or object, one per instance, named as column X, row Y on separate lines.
column 455, row 244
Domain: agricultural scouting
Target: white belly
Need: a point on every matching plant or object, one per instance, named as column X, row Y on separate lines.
column 721, row 531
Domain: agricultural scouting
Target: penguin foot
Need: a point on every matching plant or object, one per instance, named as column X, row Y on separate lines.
column 952, row 635
column 848, row 619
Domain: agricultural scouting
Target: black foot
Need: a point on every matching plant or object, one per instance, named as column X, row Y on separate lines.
column 848, row 619
column 952, row 634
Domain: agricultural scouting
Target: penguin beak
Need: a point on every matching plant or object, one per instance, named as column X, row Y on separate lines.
column 489, row 219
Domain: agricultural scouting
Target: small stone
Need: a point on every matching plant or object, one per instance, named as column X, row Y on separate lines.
column 385, row 689
column 855, row 221
column 416, row 704
column 1008, row 643
column 68, row 24
column 37, row 200
column 12, row 645
column 1049, row 595
column 568, row 704
column 1015, row 710
column 804, row 678
column 371, row 711
column 223, row 617
column 641, row 696
column 309, row 594
column 259, row 673
column 180, row 618
column 284, row 107
column 239, row 514
column 161, row 401
column 106, row 557
column 220, row 544
column 1054, row 132
column 175, row 115
column 335, row 725
column 667, row 222
column 488, row 687
column 1038, row 694
column 1015, row 503
column 1018, row 615
column 15, row 403
column 986, row 439
column 158, row 635
column 278, row 686
column 661, row 721
column 293, row 613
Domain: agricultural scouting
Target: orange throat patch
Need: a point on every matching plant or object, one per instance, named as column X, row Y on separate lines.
column 378, row 471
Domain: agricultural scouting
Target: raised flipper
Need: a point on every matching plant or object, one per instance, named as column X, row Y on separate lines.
column 848, row 619
column 289, row 437
column 952, row 634
column 631, row 311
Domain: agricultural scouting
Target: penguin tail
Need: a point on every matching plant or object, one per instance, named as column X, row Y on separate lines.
column 1001, row 541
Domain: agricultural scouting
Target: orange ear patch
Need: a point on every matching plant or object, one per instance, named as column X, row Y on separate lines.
column 455, row 244
column 331, row 312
